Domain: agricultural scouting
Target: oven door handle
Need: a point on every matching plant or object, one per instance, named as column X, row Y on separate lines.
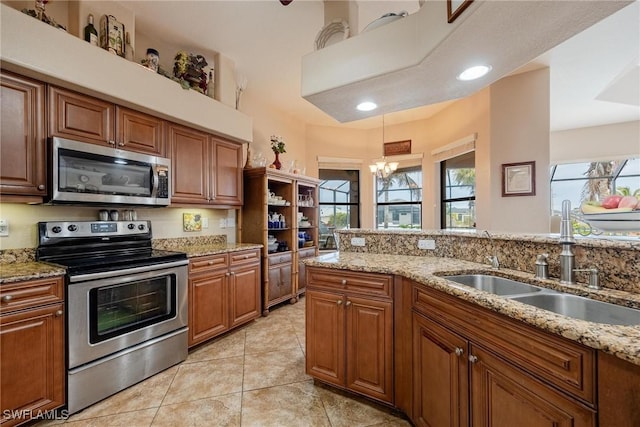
column 113, row 273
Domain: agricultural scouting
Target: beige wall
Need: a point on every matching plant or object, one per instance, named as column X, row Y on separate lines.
column 166, row 222
column 511, row 122
column 519, row 132
column 608, row 142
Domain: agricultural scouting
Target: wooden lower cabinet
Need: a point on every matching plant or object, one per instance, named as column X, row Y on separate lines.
column 32, row 372
column 475, row 367
column 244, row 293
column 279, row 279
column 441, row 386
column 349, row 335
column 224, row 292
column 503, row 395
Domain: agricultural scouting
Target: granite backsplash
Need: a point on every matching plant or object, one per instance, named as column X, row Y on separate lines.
column 617, row 260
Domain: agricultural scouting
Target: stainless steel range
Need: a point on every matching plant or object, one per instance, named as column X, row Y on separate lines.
column 126, row 304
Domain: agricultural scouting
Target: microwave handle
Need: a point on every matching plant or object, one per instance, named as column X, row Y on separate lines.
column 154, row 182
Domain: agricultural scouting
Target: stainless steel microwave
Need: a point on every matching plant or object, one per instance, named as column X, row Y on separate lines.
column 89, row 173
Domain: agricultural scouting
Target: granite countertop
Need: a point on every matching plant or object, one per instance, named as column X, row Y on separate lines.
column 620, row 341
column 214, row 249
column 19, row 271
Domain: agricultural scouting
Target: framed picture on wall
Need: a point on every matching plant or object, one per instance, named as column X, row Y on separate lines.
column 519, row 179
column 455, row 8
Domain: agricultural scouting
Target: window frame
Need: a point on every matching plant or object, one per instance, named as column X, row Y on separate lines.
column 402, row 203
column 445, row 200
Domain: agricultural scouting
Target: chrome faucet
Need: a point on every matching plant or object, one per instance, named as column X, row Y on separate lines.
column 567, row 241
column 495, row 263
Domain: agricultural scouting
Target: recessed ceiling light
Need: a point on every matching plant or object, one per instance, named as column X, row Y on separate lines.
column 367, row 106
column 473, row 73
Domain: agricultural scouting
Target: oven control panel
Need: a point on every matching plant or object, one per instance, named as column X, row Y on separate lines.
column 97, row 228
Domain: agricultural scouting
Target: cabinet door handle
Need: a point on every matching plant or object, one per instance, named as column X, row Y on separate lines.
column 7, row 298
column 348, row 303
column 121, row 144
column 59, row 313
column 344, row 281
column 472, row 358
column 227, row 274
column 233, row 273
column 41, row 187
column 459, row 351
column 111, row 142
column 339, row 302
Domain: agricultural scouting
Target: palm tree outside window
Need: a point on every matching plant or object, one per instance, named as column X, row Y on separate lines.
column 399, row 199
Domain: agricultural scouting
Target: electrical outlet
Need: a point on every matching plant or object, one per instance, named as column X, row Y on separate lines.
column 426, row 244
column 4, row 228
column 357, row 241
column 231, row 222
column 205, row 222
column 223, row 223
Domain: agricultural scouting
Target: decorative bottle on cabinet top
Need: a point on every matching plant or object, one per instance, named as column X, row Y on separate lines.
column 90, row 32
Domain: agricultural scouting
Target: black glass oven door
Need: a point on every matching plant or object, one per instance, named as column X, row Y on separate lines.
column 117, row 309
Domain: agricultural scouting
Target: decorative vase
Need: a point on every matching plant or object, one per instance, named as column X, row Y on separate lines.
column 276, row 162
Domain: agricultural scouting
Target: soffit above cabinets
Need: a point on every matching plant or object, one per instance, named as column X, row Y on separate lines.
column 414, row 61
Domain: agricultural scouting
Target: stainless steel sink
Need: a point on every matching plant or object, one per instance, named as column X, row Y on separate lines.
column 493, row 284
column 582, row 308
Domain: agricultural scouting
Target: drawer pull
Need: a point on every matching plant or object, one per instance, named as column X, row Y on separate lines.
column 339, row 302
column 348, row 303
column 459, row 351
column 7, row 298
column 59, row 313
column 344, row 281
column 246, row 256
column 210, row 263
column 472, row 358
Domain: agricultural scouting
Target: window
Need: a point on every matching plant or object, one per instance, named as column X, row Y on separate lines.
column 399, row 199
column 339, row 203
column 458, row 194
column 592, row 181
column 581, row 182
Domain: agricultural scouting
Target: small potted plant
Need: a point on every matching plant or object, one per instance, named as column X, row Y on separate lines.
column 278, row 147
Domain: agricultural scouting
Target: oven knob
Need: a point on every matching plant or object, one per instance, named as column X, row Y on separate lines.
column 72, row 227
column 56, row 229
column 131, row 226
column 141, row 227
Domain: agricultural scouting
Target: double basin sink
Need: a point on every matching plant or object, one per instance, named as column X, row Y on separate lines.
column 558, row 302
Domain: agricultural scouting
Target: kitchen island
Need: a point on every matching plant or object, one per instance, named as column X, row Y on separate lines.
column 462, row 355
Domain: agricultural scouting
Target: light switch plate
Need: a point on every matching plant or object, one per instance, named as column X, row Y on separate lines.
column 4, row 228
column 205, row 222
column 357, row 241
column 426, row 244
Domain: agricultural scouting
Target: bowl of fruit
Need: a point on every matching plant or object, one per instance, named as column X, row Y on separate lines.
column 614, row 213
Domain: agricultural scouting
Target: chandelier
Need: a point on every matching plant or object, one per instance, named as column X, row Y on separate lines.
column 382, row 168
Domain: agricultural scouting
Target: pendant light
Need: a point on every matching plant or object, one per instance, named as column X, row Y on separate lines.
column 382, row 169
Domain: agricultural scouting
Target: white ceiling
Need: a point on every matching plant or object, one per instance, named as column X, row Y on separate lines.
column 267, row 41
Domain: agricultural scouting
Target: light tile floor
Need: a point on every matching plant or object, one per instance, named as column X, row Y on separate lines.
column 253, row 376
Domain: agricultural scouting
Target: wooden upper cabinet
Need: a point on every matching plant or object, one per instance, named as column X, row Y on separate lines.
column 22, row 136
column 206, row 169
column 140, row 132
column 227, row 179
column 84, row 118
column 190, row 165
column 80, row 117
